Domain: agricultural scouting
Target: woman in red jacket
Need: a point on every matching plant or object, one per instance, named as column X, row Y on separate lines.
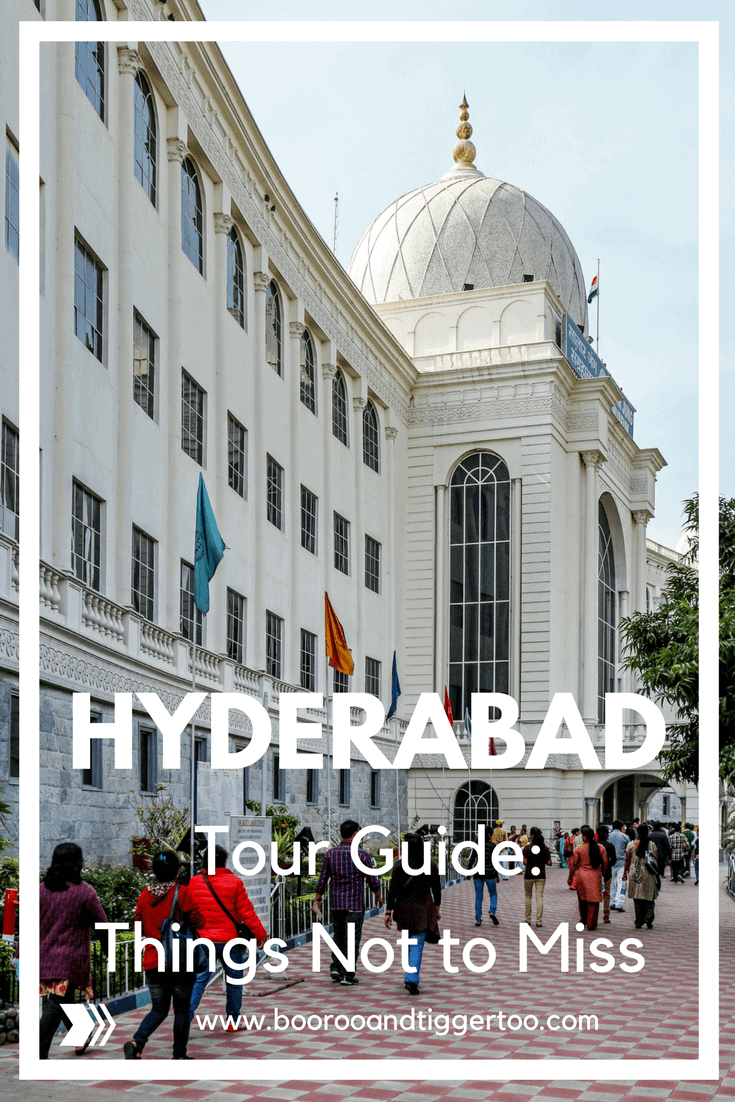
column 153, row 908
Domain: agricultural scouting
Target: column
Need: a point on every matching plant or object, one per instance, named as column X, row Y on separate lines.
column 256, row 464
column 329, row 370
column 516, row 544
column 120, row 365
column 390, row 556
column 623, row 611
column 440, row 665
column 217, row 428
column 592, row 460
column 359, row 404
column 292, row 375
column 171, row 383
column 641, row 518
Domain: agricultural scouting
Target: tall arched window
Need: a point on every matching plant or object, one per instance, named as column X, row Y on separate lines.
column 606, row 614
column 475, row 804
column 273, row 328
column 192, row 231
column 145, row 137
column 370, row 438
column 479, row 599
column 339, row 409
column 235, row 278
column 308, row 372
column 89, row 58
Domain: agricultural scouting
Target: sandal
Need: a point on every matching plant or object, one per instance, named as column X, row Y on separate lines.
column 81, row 1049
column 131, row 1051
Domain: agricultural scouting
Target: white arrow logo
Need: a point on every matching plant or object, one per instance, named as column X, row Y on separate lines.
column 82, row 1024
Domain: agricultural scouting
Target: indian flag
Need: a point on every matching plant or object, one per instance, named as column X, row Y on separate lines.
column 593, row 290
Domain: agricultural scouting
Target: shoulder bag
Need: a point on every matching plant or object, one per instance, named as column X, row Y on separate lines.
column 242, row 928
column 181, row 936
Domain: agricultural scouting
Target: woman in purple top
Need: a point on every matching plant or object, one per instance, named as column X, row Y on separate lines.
column 69, row 910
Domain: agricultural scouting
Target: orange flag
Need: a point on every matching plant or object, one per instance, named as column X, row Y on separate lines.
column 448, row 707
column 337, row 650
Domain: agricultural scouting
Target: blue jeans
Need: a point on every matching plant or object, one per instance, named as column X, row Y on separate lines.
column 492, row 887
column 415, row 952
column 234, row 992
column 164, row 986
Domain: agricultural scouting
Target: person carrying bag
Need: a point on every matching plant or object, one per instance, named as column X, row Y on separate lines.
column 414, row 900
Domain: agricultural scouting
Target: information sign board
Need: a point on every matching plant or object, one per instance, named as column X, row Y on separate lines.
column 254, row 828
column 585, row 362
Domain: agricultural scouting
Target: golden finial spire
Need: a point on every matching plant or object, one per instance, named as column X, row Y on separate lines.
column 464, row 151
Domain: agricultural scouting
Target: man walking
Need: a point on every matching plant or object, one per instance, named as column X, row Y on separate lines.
column 603, row 839
column 660, row 840
column 679, row 849
column 620, row 842
column 489, row 877
column 347, row 897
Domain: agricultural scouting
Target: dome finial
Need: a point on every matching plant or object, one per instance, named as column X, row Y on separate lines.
column 464, row 151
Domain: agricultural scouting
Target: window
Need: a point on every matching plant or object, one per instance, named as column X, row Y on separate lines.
column 279, row 780
column 86, row 536
column 308, row 520
column 144, row 137
column 92, row 776
column 14, row 748
column 344, row 787
column 88, row 300
column 375, row 788
column 235, row 278
column 89, row 64
column 312, row 786
column 370, row 438
column 200, row 750
column 187, row 608
column 235, row 626
column 274, row 493
column 372, row 676
column 144, row 366
column 273, row 329
column 147, row 760
column 142, row 584
column 606, row 618
column 273, row 636
column 341, row 544
column 245, row 788
column 372, row 564
column 307, row 661
column 192, row 232
column 237, row 474
column 340, row 682
column 192, row 418
column 479, row 599
column 9, row 482
column 339, row 408
column 308, row 373
column 12, row 199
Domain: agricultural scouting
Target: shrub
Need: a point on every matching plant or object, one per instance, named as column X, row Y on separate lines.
column 118, row 888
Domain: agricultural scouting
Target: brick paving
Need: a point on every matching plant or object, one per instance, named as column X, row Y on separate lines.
column 649, row 1014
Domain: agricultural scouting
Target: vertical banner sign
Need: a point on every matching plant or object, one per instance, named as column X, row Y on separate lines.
column 254, row 828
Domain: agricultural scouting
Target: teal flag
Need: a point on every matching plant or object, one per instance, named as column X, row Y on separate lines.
column 209, row 548
column 395, row 690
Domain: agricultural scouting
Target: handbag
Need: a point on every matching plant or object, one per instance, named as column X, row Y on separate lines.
column 242, row 928
column 181, row 937
column 433, row 934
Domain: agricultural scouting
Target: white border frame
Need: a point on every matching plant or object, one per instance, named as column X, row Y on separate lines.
column 705, row 34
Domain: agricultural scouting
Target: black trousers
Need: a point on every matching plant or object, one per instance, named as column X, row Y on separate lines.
column 340, row 921
column 53, row 1014
column 645, row 911
column 676, row 869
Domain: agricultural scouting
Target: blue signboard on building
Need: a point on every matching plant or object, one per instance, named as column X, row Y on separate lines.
column 585, row 362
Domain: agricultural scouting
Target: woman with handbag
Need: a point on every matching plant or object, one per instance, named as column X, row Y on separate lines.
column 414, row 900
column 587, row 868
column 641, row 872
column 157, row 905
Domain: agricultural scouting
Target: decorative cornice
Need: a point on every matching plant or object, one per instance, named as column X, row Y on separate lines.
column 495, row 410
column 129, row 61
column 223, row 223
column 593, row 458
column 296, row 330
column 8, row 644
column 176, row 149
column 261, row 280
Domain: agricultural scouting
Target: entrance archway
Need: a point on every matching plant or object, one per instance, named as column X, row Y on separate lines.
column 475, row 802
column 627, row 797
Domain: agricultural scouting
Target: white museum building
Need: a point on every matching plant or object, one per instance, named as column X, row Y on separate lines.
column 429, row 437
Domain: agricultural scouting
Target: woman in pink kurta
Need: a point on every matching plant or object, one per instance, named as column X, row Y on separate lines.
column 588, row 864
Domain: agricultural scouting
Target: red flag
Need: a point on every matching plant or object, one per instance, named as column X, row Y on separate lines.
column 493, row 751
column 336, row 645
column 448, row 707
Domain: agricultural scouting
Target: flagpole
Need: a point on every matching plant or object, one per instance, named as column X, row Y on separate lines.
column 192, row 808
column 398, row 798
column 329, row 756
column 598, row 306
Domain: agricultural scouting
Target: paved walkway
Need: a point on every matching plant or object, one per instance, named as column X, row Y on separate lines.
column 651, row 1014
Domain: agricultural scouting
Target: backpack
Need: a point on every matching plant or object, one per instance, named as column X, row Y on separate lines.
column 181, row 936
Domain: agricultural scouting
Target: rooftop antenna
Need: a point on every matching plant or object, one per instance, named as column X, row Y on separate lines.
column 336, row 219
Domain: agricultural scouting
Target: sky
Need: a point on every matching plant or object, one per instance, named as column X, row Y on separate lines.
column 604, row 135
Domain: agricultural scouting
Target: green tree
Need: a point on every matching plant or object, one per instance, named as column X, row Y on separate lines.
column 662, row 647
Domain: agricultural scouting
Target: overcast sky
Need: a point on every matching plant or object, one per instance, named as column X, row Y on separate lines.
column 604, row 135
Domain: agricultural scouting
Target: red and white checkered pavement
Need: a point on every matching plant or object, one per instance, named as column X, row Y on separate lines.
column 649, row 1014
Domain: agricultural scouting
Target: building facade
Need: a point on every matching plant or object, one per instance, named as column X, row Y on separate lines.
column 409, row 437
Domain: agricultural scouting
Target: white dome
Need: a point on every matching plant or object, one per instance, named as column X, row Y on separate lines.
column 466, row 228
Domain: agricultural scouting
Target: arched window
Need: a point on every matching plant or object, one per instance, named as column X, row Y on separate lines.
column 192, row 233
column 479, row 599
column 606, row 614
column 339, row 409
column 89, row 64
column 235, row 278
column 370, row 438
column 308, row 372
column 273, row 328
column 476, row 803
column 145, row 137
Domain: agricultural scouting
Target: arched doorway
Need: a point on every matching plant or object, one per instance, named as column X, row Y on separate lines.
column 627, row 797
column 474, row 803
